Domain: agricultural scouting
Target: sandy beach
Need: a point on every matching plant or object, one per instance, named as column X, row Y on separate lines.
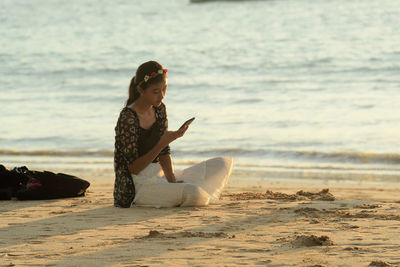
column 268, row 223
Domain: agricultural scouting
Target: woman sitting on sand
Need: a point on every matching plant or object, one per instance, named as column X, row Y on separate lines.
column 144, row 174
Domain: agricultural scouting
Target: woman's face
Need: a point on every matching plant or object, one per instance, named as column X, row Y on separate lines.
column 155, row 93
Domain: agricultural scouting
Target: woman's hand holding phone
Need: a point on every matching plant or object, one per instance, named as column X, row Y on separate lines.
column 170, row 136
column 187, row 123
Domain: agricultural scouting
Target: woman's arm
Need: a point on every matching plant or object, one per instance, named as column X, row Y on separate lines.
column 167, row 167
column 140, row 163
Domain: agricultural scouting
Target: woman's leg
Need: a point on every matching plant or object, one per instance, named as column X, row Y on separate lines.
column 211, row 175
column 194, row 195
column 162, row 194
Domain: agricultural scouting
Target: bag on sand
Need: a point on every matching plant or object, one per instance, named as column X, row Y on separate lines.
column 25, row 184
column 10, row 183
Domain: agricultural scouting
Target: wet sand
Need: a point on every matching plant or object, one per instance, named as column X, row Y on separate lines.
column 269, row 223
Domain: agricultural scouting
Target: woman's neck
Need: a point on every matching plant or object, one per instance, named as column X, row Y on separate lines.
column 141, row 107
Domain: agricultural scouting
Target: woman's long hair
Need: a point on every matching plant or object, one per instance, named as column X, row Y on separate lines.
column 145, row 69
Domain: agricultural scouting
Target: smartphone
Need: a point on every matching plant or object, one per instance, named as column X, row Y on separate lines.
column 186, row 123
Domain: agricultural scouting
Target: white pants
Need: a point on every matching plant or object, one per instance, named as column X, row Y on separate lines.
column 203, row 183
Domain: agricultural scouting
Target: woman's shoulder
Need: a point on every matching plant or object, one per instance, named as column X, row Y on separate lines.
column 127, row 111
column 127, row 116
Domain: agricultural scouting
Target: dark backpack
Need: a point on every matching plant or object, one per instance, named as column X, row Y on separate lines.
column 10, row 183
column 45, row 184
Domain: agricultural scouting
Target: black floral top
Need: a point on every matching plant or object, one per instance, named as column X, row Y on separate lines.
column 128, row 144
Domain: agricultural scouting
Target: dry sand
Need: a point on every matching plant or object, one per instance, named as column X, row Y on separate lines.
column 258, row 224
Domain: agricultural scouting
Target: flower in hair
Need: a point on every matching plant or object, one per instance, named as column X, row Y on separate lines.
column 154, row 74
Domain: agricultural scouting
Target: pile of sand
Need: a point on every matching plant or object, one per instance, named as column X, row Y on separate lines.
column 323, row 195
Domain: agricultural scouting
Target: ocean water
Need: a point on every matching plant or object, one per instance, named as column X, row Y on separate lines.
column 289, row 88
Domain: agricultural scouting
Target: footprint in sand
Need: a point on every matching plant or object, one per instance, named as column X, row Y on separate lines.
column 352, row 248
column 255, row 250
column 310, row 241
column 232, row 204
column 59, row 212
column 205, row 235
column 35, row 242
column 186, row 234
column 380, row 264
column 368, row 206
column 309, row 212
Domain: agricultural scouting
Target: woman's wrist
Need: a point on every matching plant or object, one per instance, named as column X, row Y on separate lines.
column 171, row 179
